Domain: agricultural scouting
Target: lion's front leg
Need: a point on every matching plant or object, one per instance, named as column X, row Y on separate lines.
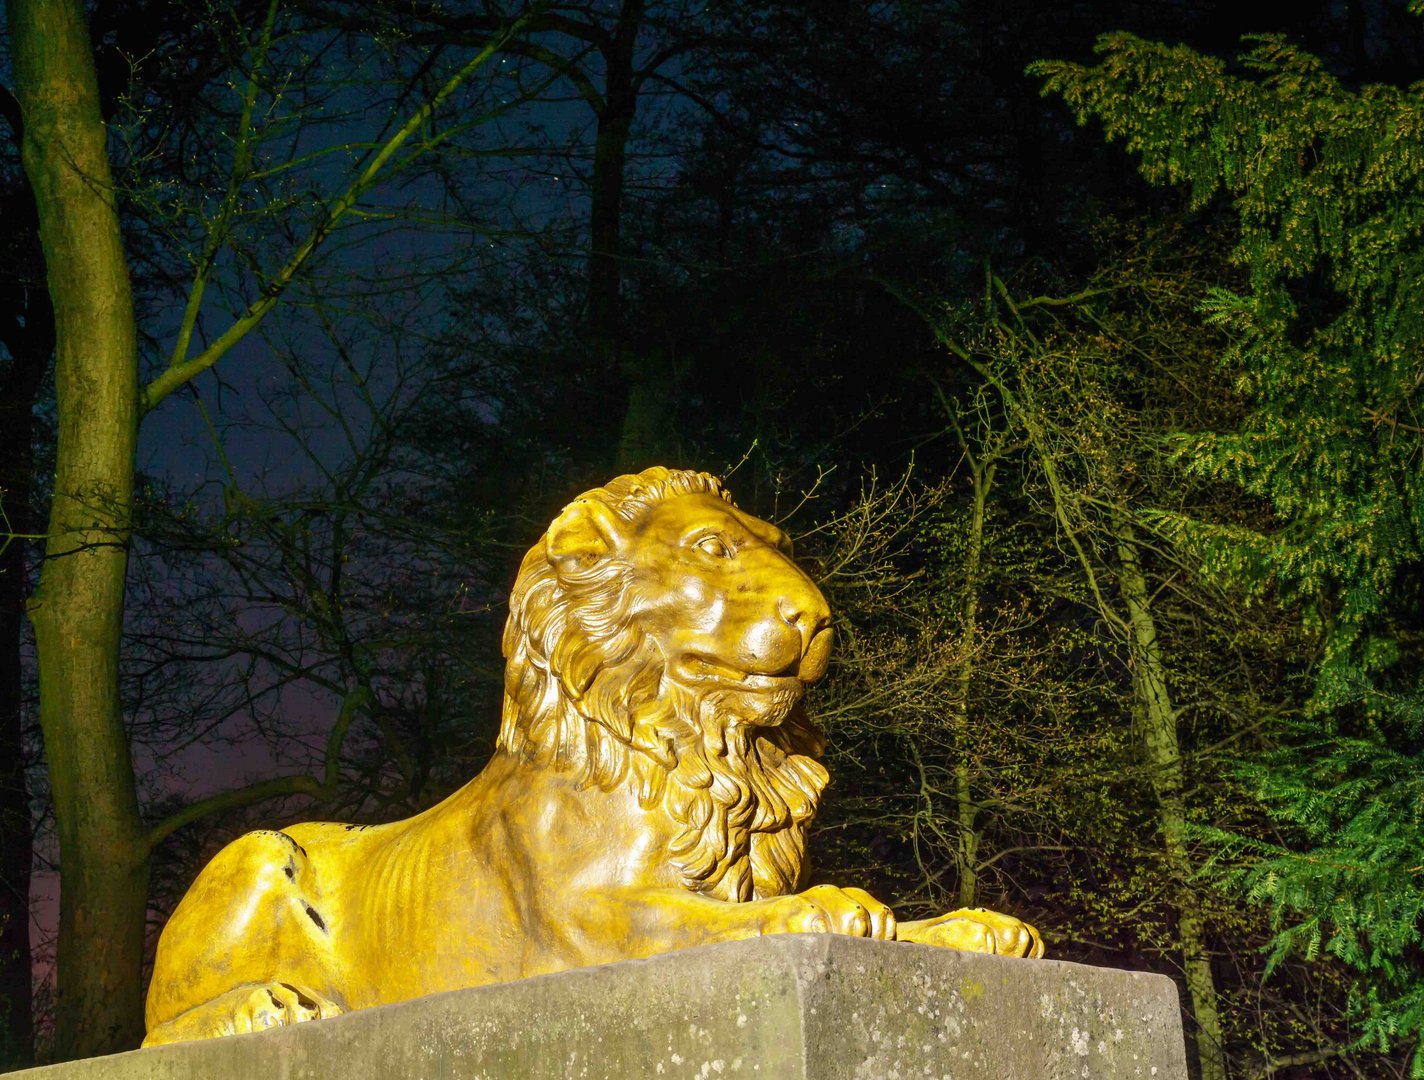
column 975, row 930
column 645, row 922
column 826, row 909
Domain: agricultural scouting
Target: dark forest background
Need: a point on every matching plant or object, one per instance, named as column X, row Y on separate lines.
column 1106, row 450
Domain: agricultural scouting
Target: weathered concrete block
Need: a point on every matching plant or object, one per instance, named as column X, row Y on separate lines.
column 786, row 1007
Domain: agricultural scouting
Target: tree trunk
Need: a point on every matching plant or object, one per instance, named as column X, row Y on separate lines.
column 966, row 809
column 646, row 435
column 77, row 611
column 610, row 152
column 1162, row 751
column 605, row 269
column 646, row 374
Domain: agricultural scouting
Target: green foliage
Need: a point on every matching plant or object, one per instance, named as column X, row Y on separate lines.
column 967, row 748
column 1075, row 389
column 1351, row 888
column 1326, row 345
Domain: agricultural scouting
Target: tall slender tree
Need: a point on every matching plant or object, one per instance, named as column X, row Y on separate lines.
column 1325, row 342
column 152, row 41
column 77, row 609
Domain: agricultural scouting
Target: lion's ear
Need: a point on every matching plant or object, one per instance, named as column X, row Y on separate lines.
column 584, row 533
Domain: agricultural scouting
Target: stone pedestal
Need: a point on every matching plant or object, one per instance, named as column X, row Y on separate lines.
column 784, row 1008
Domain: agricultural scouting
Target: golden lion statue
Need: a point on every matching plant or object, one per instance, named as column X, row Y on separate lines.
column 651, row 790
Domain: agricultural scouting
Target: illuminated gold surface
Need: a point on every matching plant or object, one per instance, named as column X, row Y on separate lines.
column 651, row 789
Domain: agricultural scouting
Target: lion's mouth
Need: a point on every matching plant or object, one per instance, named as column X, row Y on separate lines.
column 701, row 668
column 696, row 668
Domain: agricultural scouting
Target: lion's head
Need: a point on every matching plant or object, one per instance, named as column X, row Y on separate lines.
column 659, row 636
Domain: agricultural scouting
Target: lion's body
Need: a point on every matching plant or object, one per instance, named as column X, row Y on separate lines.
column 651, row 790
column 358, row 922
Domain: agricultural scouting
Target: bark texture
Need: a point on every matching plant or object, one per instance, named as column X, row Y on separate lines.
column 77, row 610
column 981, row 474
column 1162, row 749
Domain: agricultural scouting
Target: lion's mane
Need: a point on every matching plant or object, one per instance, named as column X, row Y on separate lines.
column 585, row 693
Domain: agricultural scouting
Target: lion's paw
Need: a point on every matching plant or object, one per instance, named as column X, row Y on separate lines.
column 244, row 1009
column 976, row 930
column 281, row 1005
column 825, row 909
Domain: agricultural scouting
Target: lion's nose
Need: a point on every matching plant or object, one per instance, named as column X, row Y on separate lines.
column 809, row 616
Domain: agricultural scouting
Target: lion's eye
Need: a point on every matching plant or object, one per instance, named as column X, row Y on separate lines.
column 715, row 546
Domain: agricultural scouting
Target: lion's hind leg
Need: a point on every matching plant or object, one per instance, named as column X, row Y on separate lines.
column 252, row 1007
column 248, row 947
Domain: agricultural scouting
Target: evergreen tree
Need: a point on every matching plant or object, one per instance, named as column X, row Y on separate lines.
column 1325, row 343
